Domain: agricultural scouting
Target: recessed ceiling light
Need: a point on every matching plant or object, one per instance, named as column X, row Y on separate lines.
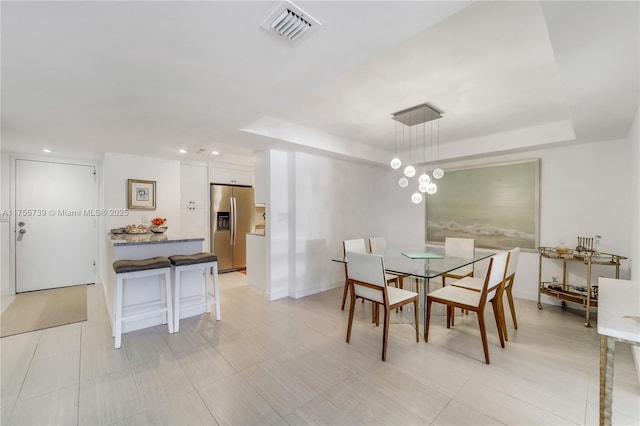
column 47, row 150
column 182, row 151
column 215, row 153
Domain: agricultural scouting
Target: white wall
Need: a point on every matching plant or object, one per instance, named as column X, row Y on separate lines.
column 582, row 194
column 634, row 195
column 6, row 287
column 278, row 233
column 317, row 202
column 116, row 169
column 335, row 200
column 634, row 223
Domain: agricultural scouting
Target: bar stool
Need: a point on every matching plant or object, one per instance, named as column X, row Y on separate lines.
column 202, row 262
column 129, row 269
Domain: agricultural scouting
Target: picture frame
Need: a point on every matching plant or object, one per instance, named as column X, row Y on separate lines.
column 498, row 205
column 141, row 194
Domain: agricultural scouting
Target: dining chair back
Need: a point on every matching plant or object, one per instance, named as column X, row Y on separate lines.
column 356, row 245
column 367, row 280
column 459, row 247
column 377, row 245
column 369, row 270
column 456, row 297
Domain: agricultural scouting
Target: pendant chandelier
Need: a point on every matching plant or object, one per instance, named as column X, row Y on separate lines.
column 410, row 118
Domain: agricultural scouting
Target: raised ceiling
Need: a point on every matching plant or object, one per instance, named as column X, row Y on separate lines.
column 85, row 78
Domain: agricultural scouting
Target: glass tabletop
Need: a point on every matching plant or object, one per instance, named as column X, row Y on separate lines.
column 399, row 262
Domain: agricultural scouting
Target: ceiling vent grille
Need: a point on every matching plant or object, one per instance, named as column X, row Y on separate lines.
column 291, row 22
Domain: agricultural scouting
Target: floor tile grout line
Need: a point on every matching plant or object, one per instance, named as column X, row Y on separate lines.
column 24, row 379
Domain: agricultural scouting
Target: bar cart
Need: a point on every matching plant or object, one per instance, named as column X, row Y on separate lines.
column 586, row 294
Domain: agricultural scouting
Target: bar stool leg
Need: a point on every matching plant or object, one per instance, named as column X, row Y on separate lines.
column 163, row 299
column 118, row 313
column 167, row 287
column 208, row 283
column 216, row 292
column 177, row 295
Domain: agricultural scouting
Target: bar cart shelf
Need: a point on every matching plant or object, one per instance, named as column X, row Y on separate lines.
column 585, row 294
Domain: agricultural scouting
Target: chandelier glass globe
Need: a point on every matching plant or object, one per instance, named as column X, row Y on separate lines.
column 416, row 197
column 396, row 163
column 432, row 188
column 438, row 173
column 424, row 179
column 403, row 182
column 409, row 171
column 423, row 187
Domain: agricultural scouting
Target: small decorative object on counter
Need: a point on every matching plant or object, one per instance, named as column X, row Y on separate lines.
column 136, row 229
column 158, row 225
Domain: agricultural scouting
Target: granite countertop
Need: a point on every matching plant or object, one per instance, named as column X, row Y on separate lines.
column 151, row 238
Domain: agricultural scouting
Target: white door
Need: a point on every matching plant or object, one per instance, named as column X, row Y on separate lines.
column 54, row 224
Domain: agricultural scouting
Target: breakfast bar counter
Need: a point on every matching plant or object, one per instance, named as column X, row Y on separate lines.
column 144, row 246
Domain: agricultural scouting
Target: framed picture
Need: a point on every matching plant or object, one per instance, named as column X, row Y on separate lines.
column 142, row 194
column 497, row 205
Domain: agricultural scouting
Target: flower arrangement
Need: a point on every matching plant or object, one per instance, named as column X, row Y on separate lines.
column 158, row 221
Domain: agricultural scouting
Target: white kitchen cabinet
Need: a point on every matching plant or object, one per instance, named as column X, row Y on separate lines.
column 194, row 185
column 231, row 176
column 194, row 221
column 194, row 201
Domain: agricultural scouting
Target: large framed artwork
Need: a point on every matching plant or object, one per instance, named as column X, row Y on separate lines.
column 498, row 205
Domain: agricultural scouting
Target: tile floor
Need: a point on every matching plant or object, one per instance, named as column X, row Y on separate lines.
column 286, row 363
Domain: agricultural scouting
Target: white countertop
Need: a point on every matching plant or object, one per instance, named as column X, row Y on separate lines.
column 617, row 299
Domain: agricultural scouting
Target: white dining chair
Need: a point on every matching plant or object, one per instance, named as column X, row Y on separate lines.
column 459, row 247
column 378, row 245
column 358, row 245
column 367, row 281
column 475, row 284
column 455, row 297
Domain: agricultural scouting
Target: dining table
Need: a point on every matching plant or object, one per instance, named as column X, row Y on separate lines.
column 423, row 265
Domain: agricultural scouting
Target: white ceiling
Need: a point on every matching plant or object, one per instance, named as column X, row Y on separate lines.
column 83, row 78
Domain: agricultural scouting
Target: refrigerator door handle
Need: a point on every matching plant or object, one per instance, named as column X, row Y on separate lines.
column 235, row 219
column 233, row 214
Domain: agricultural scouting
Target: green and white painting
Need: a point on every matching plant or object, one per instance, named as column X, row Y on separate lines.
column 497, row 205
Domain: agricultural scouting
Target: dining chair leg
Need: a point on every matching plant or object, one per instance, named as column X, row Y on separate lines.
column 483, row 335
column 344, row 292
column 415, row 311
column 427, row 320
column 498, row 315
column 352, row 308
column 385, row 334
column 503, row 320
column 376, row 313
column 512, row 308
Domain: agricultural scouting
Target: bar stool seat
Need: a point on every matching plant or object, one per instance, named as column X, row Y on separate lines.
column 130, row 269
column 202, row 262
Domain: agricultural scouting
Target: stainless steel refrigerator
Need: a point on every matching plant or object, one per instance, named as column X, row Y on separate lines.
column 232, row 217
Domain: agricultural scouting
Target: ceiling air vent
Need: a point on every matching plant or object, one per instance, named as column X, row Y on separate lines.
column 291, row 22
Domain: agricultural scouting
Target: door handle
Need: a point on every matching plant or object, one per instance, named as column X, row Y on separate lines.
column 22, row 231
column 231, row 221
column 235, row 219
